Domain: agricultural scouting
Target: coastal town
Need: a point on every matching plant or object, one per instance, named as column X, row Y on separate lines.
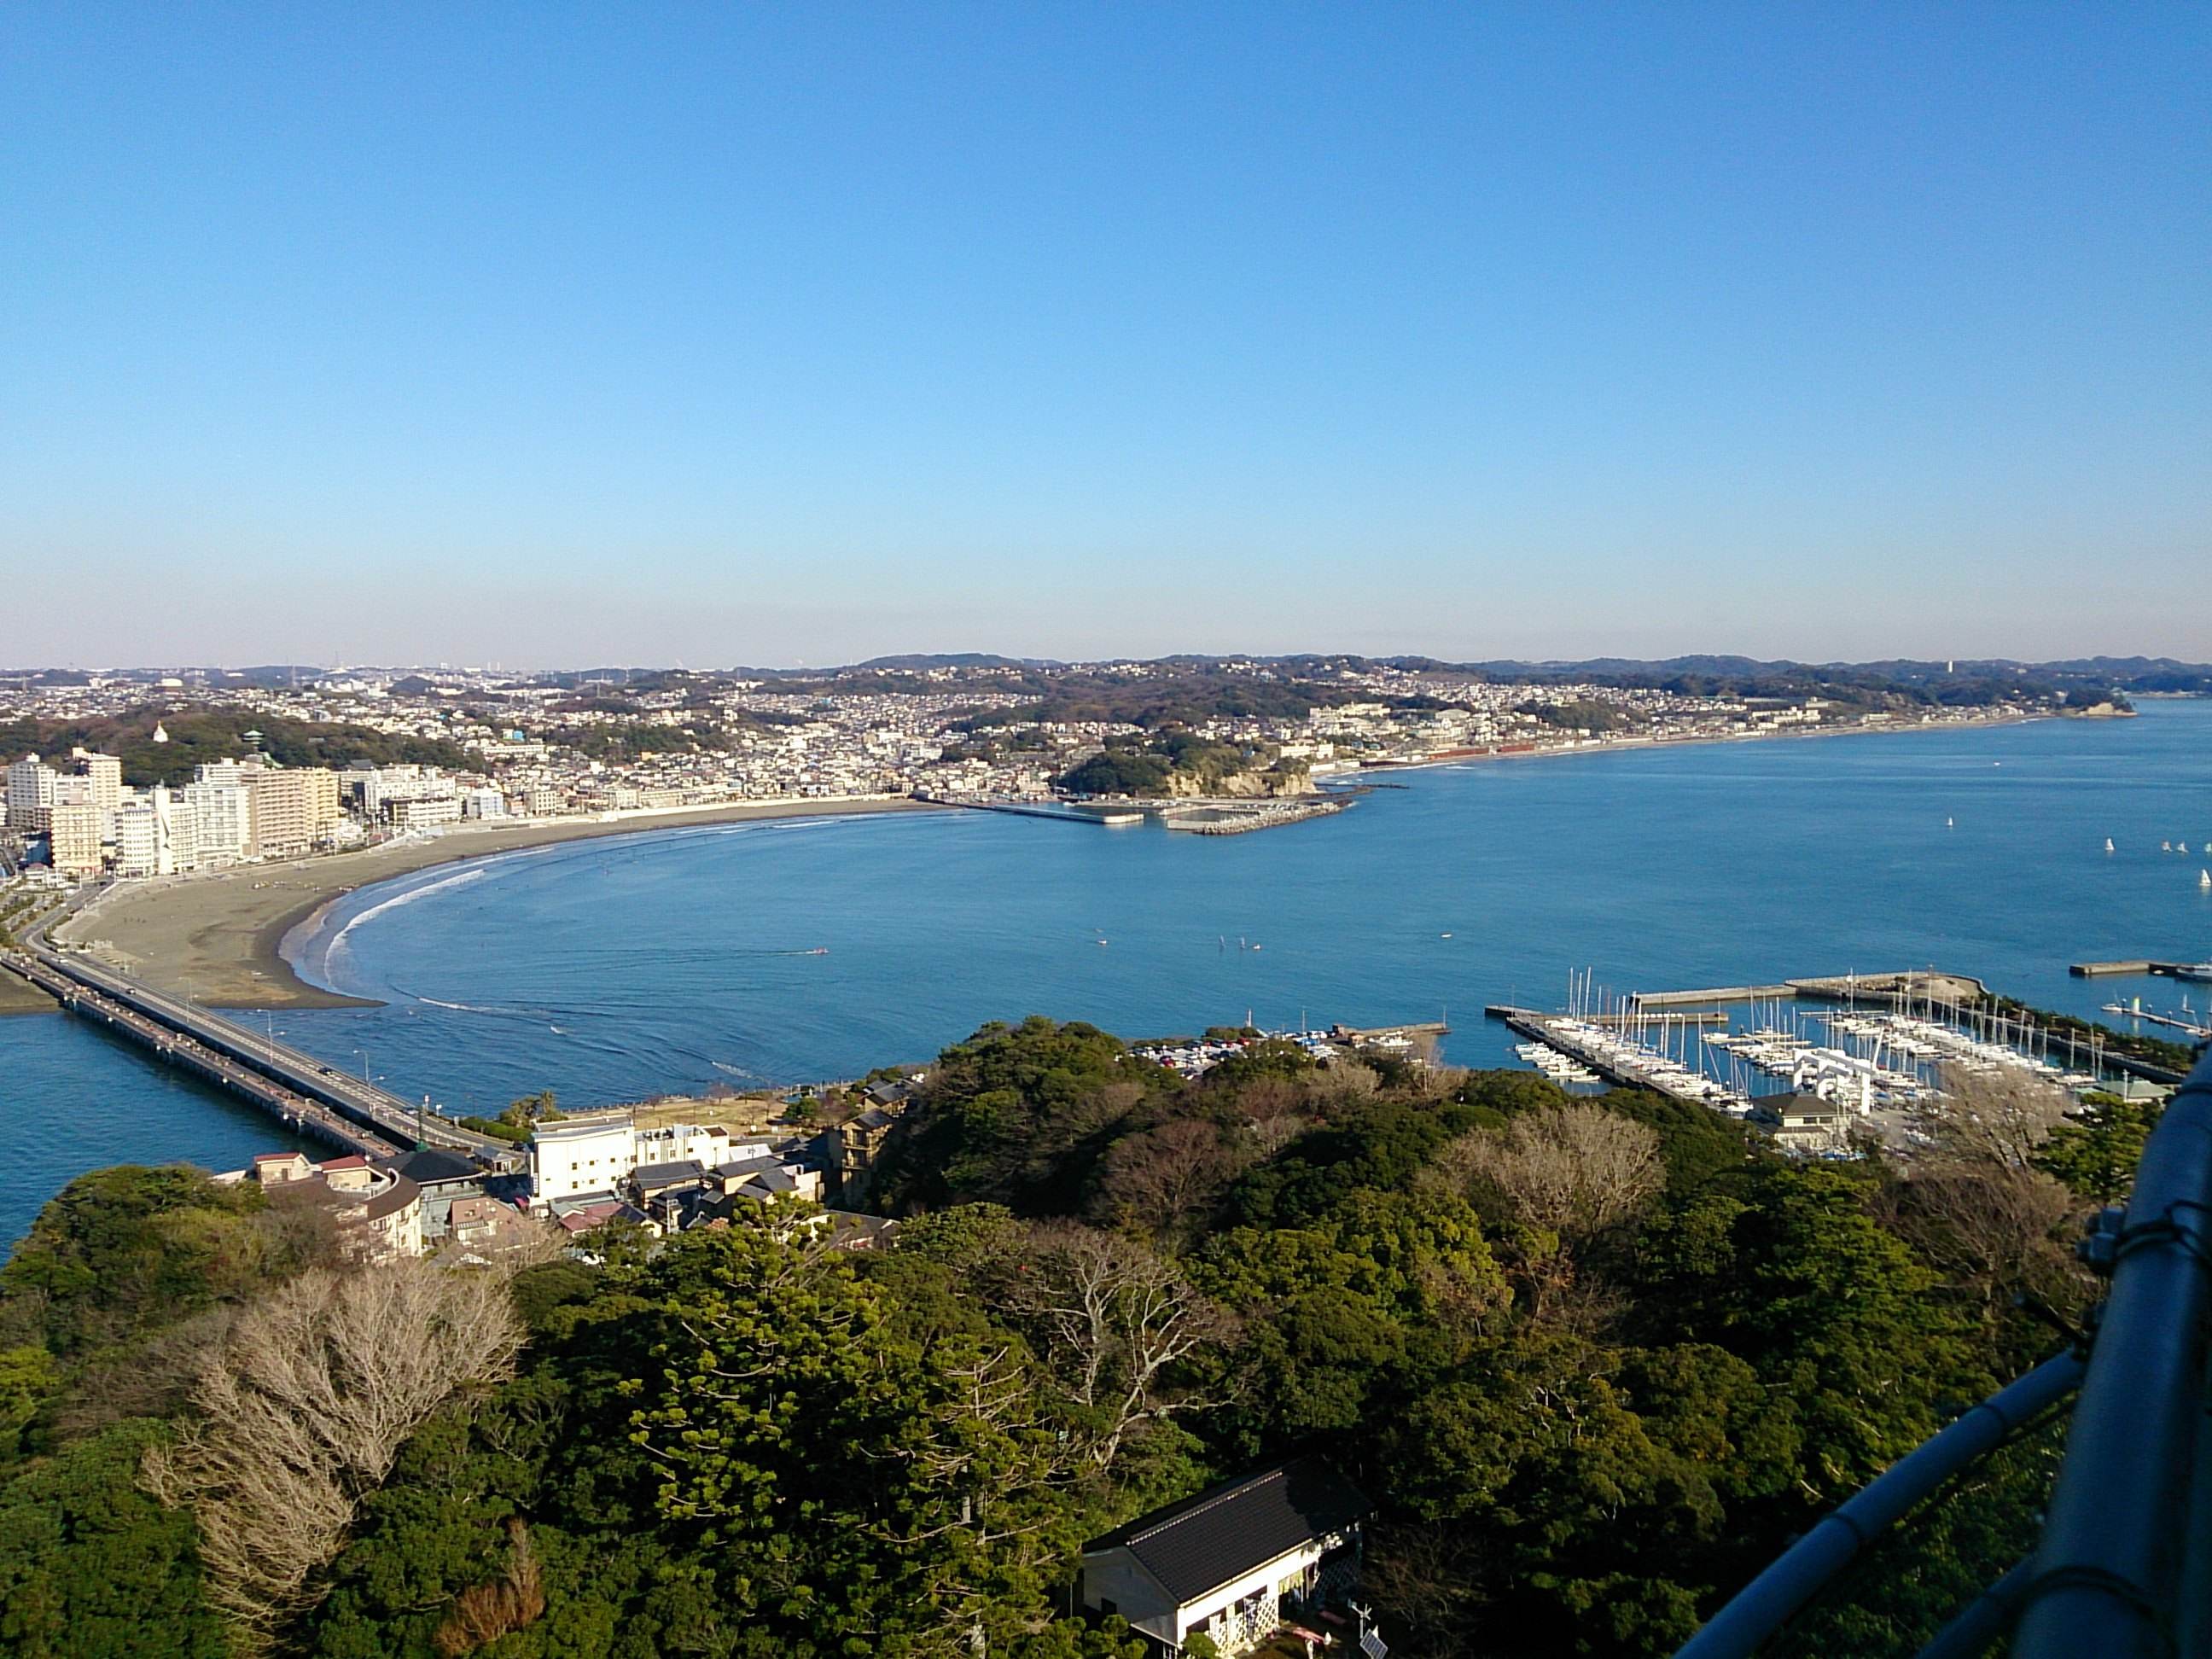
column 211, row 769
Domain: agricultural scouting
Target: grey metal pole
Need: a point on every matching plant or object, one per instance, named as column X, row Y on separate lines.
column 2107, row 1575
column 1766, row 1603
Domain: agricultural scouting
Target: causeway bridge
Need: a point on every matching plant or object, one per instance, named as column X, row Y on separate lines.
column 316, row 1098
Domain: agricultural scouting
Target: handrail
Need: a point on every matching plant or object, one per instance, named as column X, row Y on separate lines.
column 2108, row 1578
column 1762, row 1606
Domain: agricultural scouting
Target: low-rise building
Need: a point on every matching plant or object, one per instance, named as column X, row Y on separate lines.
column 598, row 1153
column 1233, row 1562
column 1804, row 1123
column 378, row 1211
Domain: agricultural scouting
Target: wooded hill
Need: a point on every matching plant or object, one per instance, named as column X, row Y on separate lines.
column 1596, row 1360
column 200, row 735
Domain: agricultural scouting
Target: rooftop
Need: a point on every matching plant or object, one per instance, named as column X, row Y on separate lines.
column 1227, row 1530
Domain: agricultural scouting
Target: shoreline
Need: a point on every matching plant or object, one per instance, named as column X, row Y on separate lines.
column 219, row 938
column 1483, row 757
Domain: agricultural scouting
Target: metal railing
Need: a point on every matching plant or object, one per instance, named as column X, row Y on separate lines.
column 2123, row 1566
column 2113, row 1575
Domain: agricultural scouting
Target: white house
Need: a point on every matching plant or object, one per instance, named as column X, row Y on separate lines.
column 1233, row 1561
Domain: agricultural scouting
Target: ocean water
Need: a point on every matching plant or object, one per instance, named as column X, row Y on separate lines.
column 801, row 950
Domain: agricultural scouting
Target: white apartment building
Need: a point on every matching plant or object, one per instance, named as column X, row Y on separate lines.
column 378, row 788
column 484, row 803
column 103, row 774
column 596, row 1153
column 211, row 821
column 142, row 838
column 30, row 794
column 423, row 813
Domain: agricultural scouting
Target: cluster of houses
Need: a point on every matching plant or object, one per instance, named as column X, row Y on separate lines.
column 1271, row 1555
column 593, row 1169
column 408, row 1205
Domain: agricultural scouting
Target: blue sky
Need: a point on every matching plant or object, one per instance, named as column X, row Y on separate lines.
column 541, row 334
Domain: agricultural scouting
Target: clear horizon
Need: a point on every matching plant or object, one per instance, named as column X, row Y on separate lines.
column 612, row 664
column 571, row 335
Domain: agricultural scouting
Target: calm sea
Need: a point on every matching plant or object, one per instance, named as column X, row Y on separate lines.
column 801, row 950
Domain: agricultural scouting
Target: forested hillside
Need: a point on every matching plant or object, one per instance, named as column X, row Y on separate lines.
column 1596, row 1360
column 194, row 736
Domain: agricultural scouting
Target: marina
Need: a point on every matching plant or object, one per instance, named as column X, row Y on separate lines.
column 1811, row 1075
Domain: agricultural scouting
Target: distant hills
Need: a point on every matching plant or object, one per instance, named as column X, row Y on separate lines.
column 2132, row 674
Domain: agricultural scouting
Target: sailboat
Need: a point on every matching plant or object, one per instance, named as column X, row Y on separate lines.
column 2108, row 843
column 1948, row 823
column 2204, row 877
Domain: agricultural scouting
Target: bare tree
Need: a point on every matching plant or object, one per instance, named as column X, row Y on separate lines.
column 1164, row 1177
column 1429, row 1580
column 1574, row 1171
column 1973, row 1202
column 1347, row 1079
column 1562, row 1177
column 1276, row 1110
column 299, row 1411
column 1993, row 1117
column 1112, row 1318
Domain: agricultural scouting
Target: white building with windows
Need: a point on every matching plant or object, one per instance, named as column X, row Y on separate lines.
column 1234, row 1563
column 211, row 820
column 30, row 794
column 596, row 1153
column 141, row 839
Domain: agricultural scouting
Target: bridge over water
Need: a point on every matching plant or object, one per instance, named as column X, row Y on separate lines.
column 296, row 1086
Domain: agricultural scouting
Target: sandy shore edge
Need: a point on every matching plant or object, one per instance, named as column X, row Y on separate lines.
column 219, row 938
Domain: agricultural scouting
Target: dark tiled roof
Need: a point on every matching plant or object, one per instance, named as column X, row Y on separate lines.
column 1227, row 1530
column 430, row 1166
column 668, row 1174
column 745, row 1166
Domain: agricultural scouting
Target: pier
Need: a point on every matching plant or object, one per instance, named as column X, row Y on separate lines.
column 1552, row 1030
column 1829, row 988
column 1238, row 818
column 1056, row 810
column 2137, row 968
column 293, row 1085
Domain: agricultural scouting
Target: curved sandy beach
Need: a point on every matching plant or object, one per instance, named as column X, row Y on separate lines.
column 218, row 938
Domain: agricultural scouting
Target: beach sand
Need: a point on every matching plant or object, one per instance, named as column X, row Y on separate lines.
column 218, row 938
